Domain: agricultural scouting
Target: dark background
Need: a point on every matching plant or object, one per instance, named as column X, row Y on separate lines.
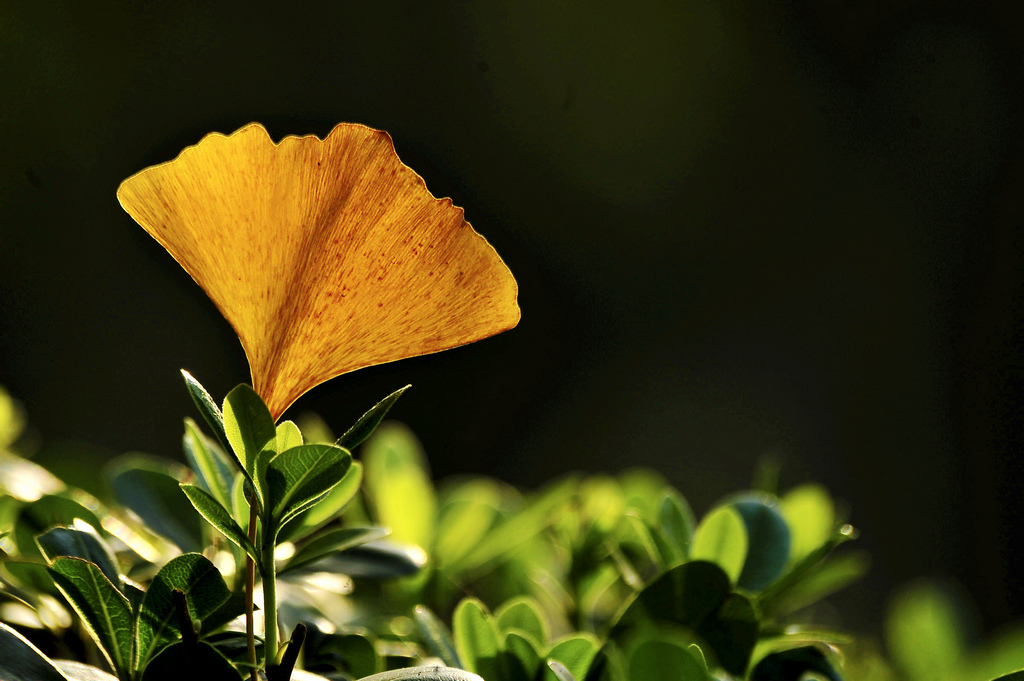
column 738, row 227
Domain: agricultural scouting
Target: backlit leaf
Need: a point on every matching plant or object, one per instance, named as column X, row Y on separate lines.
column 22, row 661
column 722, row 539
column 219, row 517
column 204, row 589
column 324, row 255
column 105, row 612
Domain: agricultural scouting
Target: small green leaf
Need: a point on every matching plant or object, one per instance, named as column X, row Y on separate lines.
column 663, row 658
column 149, row 487
column 327, row 509
column 576, row 652
column 288, row 436
column 398, row 485
column 810, row 514
column 685, row 595
column 437, row 636
column 476, row 638
column 722, row 539
column 811, row 580
column 219, row 517
column 522, row 656
column 158, row 623
column 82, row 543
column 676, row 526
column 207, row 408
column 767, row 542
column 183, row 661
column 104, row 610
column 731, row 633
column 248, row 426
column 537, row 514
column 462, row 524
column 523, row 613
column 377, row 560
column 214, row 472
column 22, row 661
column 330, row 542
column 924, row 632
column 369, row 421
column 302, row 475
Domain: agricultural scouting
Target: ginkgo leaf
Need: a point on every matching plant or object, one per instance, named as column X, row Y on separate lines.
column 325, row 256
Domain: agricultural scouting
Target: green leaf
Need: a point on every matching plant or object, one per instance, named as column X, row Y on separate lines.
column 368, row 422
column 31, row 575
column 924, row 632
column 425, row 674
column 476, row 638
column 183, row 661
column 40, row 515
column 685, row 595
column 663, row 658
column 330, row 542
column 214, row 472
column 792, row 664
column 526, row 523
column 722, row 539
column 811, row 580
column 767, row 543
column 79, row 671
column 378, row 560
column 149, row 487
column 810, row 514
column 437, row 636
column 219, row 517
column 576, row 652
column 288, row 436
column 158, row 621
column 398, row 485
column 248, row 426
column 522, row 656
column 104, row 610
column 696, row 596
column 462, row 523
column 22, row 661
column 1013, row 676
column 731, row 632
column 207, row 408
column 676, row 526
column 327, row 509
column 300, row 476
column 523, row 613
column 82, row 543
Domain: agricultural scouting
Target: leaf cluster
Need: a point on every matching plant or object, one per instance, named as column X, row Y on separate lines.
column 383, row 576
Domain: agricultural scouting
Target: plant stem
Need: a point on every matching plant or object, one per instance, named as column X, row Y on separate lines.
column 250, row 586
column 269, row 597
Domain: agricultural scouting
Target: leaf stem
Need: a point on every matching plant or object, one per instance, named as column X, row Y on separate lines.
column 269, row 597
column 250, row 586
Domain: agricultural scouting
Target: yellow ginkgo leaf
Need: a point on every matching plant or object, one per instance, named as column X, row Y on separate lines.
column 325, row 256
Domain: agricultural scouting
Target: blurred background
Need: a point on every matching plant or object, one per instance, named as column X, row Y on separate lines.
column 738, row 228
